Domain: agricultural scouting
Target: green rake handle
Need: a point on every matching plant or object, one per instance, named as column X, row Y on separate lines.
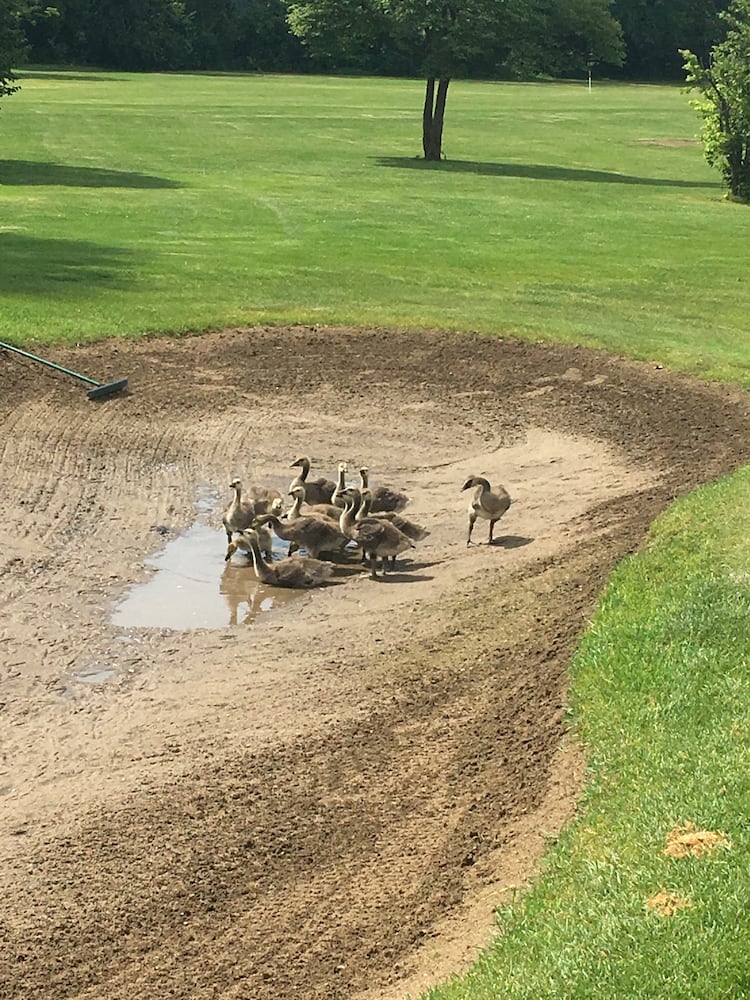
column 100, row 389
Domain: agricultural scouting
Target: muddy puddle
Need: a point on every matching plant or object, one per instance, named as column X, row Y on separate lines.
column 192, row 587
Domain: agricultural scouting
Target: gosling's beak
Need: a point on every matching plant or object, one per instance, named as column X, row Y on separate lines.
column 466, row 485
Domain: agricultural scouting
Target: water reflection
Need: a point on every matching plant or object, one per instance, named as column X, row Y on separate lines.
column 241, row 588
column 192, row 587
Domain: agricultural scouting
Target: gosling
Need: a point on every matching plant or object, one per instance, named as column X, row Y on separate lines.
column 318, row 490
column 299, row 572
column 239, row 513
column 383, row 497
column 379, row 539
column 488, row 502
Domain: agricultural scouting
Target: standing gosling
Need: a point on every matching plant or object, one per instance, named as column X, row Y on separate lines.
column 377, row 537
column 318, row 490
column 239, row 513
column 488, row 502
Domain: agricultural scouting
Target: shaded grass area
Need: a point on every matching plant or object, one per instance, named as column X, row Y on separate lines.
column 559, row 213
column 661, row 699
column 534, row 171
column 28, row 173
column 55, row 269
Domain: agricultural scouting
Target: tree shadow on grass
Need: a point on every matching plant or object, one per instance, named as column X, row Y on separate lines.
column 29, row 172
column 535, row 171
column 83, row 77
column 62, row 268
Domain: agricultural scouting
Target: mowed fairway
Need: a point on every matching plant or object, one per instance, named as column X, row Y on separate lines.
column 135, row 203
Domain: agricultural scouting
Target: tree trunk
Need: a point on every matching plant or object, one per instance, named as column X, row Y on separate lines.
column 433, row 117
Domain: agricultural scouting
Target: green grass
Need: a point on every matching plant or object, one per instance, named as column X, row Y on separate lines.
column 138, row 203
column 133, row 204
column 662, row 701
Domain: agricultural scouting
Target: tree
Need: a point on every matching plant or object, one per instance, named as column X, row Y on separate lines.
column 724, row 100
column 442, row 36
column 11, row 45
column 448, row 37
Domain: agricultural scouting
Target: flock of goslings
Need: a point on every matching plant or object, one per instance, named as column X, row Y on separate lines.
column 330, row 519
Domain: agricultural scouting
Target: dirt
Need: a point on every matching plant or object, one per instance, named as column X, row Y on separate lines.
column 667, row 904
column 686, row 841
column 329, row 800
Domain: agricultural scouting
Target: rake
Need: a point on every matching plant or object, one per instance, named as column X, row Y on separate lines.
column 100, row 390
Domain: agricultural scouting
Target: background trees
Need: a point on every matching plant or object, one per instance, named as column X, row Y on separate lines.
column 724, row 101
column 562, row 37
column 473, row 38
column 655, row 31
column 139, row 34
column 116, row 34
column 242, row 35
column 11, row 45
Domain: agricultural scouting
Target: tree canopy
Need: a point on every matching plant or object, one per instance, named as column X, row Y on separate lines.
column 472, row 37
column 11, row 44
column 724, row 100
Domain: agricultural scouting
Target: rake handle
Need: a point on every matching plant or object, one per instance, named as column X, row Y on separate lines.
column 50, row 364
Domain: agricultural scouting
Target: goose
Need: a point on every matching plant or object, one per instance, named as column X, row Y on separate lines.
column 262, row 493
column 316, row 534
column 266, row 499
column 383, row 497
column 265, row 540
column 316, row 490
column 410, row 528
column 295, row 511
column 265, row 535
column 275, row 507
column 379, row 539
column 239, row 514
column 488, row 502
column 340, row 487
column 299, row 572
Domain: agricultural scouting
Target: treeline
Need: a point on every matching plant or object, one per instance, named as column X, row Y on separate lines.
column 163, row 35
column 254, row 35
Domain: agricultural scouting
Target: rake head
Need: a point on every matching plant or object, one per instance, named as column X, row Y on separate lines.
column 107, row 389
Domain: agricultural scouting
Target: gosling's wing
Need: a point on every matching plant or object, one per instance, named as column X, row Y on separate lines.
column 371, row 532
column 502, row 495
column 386, row 499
